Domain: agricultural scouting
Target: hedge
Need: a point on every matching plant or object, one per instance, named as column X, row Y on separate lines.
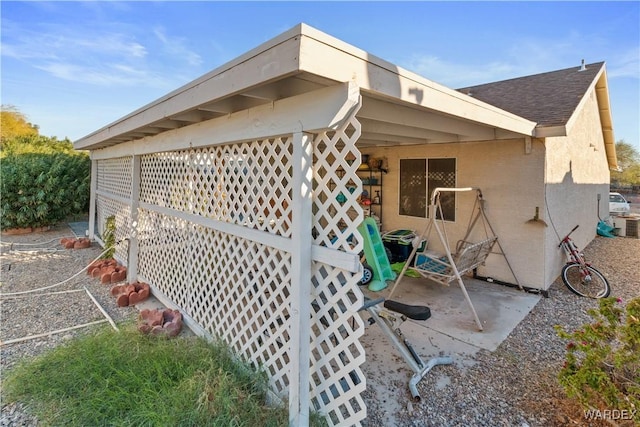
column 42, row 189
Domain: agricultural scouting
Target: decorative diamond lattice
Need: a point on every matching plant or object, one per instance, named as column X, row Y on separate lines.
column 114, row 176
column 336, row 378
column 239, row 289
column 246, row 184
column 336, row 355
column 105, row 208
column 114, row 179
column 336, row 188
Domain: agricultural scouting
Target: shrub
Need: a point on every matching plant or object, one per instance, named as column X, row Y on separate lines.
column 602, row 366
column 23, row 144
column 41, row 189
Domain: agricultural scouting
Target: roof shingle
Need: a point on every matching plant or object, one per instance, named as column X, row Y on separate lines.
column 548, row 99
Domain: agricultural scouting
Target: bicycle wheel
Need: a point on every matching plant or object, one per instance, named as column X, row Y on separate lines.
column 585, row 281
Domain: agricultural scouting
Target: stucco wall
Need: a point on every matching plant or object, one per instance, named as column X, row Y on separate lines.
column 512, row 180
column 512, row 183
column 576, row 174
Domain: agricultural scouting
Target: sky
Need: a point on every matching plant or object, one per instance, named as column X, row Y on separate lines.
column 74, row 67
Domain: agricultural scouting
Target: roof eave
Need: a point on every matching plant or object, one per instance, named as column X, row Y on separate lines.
column 323, row 54
column 599, row 84
column 550, row 131
column 237, row 75
column 304, row 50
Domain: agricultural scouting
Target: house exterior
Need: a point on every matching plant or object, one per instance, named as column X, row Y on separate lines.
column 237, row 195
column 561, row 171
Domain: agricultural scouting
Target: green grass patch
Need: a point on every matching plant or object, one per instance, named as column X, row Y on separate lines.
column 130, row 379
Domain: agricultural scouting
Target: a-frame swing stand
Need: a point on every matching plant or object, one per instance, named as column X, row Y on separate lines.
column 465, row 257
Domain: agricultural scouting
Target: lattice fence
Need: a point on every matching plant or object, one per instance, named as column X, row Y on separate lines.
column 337, row 381
column 196, row 206
column 113, row 198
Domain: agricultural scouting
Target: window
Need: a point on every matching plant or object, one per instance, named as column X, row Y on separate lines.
column 418, row 179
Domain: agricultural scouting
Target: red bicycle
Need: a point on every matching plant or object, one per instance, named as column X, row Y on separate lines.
column 580, row 276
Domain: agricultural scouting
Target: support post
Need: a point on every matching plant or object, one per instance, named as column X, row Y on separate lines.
column 132, row 257
column 92, row 198
column 300, row 320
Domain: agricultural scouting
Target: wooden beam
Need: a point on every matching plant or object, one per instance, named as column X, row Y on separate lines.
column 265, row 93
column 166, row 124
column 391, row 138
column 373, row 126
column 310, row 112
column 301, row 265
column 387, row 112
column 193, row 116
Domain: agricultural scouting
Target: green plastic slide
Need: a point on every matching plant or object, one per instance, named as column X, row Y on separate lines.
column 376, row 255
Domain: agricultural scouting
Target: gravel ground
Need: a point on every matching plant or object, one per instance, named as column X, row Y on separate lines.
column 514, row 386
column 37, row 260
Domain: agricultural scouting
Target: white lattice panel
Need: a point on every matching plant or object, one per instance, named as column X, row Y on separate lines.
column 114, row 176
column 235, row 289
column 106, row 207
column 334, row 224
column 247, row 184
column 239, row 289
column 336, row 378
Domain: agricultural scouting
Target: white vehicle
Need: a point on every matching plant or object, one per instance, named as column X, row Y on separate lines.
column 618, row 205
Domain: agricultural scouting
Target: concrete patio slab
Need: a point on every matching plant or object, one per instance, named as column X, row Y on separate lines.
column 451, row 331
column 499, row 308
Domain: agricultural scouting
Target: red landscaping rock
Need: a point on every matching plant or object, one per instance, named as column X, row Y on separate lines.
column 17, row 231
column 93, row 266
column 130, row 294
column 82, row 243
column 141, row 293
column 148, row 319
column 160, row 322
column 71, row 243
column 105, row 275
column 122, row 292
column 119, row 275
column 122, row 289
column 26, row 230
column 123, row 300
column 101, row 268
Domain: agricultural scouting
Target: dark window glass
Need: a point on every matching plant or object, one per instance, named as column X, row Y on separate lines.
column 418, row 179
column 413, row 187
column 442, row 173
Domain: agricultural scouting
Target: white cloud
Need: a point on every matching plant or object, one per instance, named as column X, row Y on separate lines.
column 177, row 47
column 526, row 56
column 105, row 55
column 458, row 74
column 105, row 75
column 626, row 64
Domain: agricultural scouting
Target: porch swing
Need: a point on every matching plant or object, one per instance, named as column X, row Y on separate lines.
column 467, row 256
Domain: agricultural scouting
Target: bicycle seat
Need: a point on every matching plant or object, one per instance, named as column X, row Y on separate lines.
column 415, row 312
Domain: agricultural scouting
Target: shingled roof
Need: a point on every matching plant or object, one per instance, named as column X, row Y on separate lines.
column 549, row 99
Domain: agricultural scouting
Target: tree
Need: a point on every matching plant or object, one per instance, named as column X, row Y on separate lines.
column 13, row 123
column 629, row 164
column 42, row 180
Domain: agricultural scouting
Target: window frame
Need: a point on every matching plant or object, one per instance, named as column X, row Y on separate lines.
column 405, row 193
